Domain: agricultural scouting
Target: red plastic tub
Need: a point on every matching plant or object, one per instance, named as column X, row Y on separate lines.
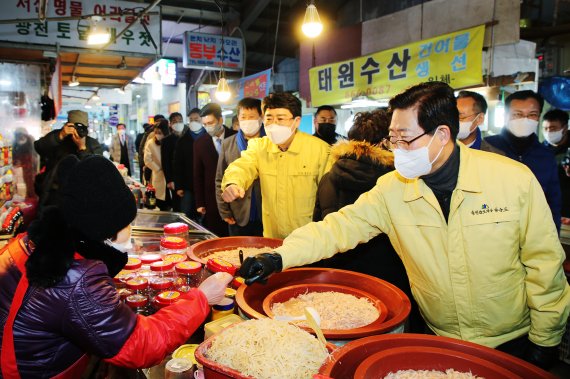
column 380, row 364
column 345, row 361
column 286, row 293
column 200, row 251
column 250, row 298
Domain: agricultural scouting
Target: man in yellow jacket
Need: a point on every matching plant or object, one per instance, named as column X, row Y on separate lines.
column 472, row 228
column 289, row 164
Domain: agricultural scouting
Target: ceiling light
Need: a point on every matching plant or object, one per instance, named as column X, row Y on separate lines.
column 364, row 102
column 223, row 93
column 122, row 65
column 87, row 106
column 312, row 25
column 96, row 96
column 5, row 82
column 139, row 80
column 98, row 35
column 227, row 112
column 120, row 90
column 73, row 82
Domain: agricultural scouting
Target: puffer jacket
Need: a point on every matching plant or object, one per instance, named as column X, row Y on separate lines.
column 356, row 168
column 82, row 314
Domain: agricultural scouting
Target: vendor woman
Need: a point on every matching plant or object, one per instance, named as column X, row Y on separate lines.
column 58, row 303
column 472, row 228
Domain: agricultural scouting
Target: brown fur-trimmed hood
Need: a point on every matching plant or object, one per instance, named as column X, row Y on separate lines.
column 362, row 149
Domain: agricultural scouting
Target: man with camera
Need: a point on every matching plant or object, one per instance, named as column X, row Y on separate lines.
column 56, row 145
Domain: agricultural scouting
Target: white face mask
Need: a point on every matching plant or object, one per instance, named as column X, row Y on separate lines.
column 250, row 127
column 412, row 164
column 522, row 127
column 213, row 130
column 279, row 134
column 122, row 247
column 195, row 126
column 121, row 132
column 466, row 128
column 178, row 127
column 553, row 137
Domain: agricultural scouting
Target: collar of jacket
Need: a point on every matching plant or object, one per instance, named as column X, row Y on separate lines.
column 468, row 180
column 361, row 149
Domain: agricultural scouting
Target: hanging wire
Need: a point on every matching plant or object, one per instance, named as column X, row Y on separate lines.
column 275, row 43
column 219, row 5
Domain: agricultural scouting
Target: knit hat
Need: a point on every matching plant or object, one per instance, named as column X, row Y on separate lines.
column 77, row 117
column 95, row 199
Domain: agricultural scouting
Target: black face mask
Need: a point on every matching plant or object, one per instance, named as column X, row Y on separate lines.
column 327, row 131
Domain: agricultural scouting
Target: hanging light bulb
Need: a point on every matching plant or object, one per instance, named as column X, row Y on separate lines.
column 73, row 82
column 223, row 93
column 98, row 35
column 95, row 96
column 312, row 25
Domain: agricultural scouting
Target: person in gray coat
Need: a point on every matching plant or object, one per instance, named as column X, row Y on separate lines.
column 242, row 215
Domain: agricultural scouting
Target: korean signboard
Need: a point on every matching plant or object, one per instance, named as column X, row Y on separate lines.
column 205, row 51
column 454, row 58
column 256, row 86
column 74, row 33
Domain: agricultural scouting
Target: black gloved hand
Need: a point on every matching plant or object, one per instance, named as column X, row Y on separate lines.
column 541, row 356
column 258, row 268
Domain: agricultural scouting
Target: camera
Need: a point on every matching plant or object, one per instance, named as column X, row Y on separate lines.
column 82, row 130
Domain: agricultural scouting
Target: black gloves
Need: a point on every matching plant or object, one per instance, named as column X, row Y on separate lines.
column 541, row 356
column 258, row 268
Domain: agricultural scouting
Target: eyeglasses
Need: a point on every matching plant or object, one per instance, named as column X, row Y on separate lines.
column 532, row 115
column 391, row 143
column 279, row 120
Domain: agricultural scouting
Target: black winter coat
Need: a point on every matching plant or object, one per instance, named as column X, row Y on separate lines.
column 357, row 168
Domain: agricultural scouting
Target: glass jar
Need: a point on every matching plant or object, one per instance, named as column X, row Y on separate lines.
column 138, row 285
column 215, row 265
column 188, row 275
column 124, row 293
column 163, row 269
column 175, row 258
column 237, row 282
column 176, row 229
column 133, row 264
column 138, row 303
column 123, row 277
column 150, row 197
column 158, row 285
column 165, row 298
column 173, row 245
column 148, row 258
column 224, row 308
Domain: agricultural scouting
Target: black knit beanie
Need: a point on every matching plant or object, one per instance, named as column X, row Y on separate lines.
column 95, row 199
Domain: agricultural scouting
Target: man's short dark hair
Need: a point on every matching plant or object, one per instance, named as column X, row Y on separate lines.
column 162, row 125
column 249, row 103
column 159, row 117
column 523, row 95
column 480, row 102
column 325, row 108
column 283, row 100
column 194, row 110
column 173, row 115
column 211, row 109
column 371, row 127
column 556, row 115
column 435, row 103
column 120, row 123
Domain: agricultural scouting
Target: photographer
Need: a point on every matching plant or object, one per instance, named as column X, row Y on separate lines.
column 56, row 145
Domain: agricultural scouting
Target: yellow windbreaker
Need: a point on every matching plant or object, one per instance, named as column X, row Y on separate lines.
column 492, row 273
column 288, row 180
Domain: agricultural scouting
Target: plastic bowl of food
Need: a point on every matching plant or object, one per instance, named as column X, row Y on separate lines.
column 250, row 298
column 287, row 293
column 229, row 246
column 418, row 359
column 344, row 361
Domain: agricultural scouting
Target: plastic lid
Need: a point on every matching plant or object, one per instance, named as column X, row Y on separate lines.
column 123, row 276
column 230, row 292
column 161, row 266
column 226, row 304
column 161, row 283
column 175, row 228
column 188, row 267
column 136, row 300
column 178, row 365
column 133, row 264
column 124, row 293
column 219, row 265
column 173, row 243
column 167, row 297
column 144, row 272
column 237, row 281
column 137, row 283
column 175, row 258
column 186, row 351
column 149, row 258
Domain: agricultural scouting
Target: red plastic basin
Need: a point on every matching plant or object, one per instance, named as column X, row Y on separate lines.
column 283, row 294
column 200, row 251
column 250, row 298
column 345, row 361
